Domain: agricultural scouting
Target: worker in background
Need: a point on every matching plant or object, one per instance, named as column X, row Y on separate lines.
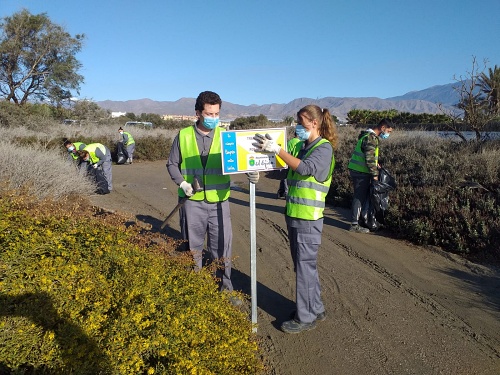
column 129, row 143
column 97, row 155
column 364, row 168
column 196, row 154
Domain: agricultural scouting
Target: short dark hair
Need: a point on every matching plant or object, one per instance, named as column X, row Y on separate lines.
column 387, row 122
column 67, row 142
column 207, row 97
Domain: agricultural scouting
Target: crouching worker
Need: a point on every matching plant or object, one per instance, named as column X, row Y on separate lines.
column 97, row 155
column 73, row 148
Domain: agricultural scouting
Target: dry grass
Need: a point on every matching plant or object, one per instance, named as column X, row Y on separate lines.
column 59, row 131
column 40, row 172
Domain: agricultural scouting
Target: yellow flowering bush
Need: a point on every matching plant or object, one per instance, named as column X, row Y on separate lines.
column 82, row 293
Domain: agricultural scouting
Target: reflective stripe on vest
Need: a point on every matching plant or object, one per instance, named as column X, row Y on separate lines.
column 358, row 160
column 130, row 139
column 91, row 150
column 216, row 186
column 306, row 196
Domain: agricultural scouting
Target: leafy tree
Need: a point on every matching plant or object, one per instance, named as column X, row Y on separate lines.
column 37, row 59
column 87, row 111
column 156, row 119
column 490, row 86
column 131, row 116
column 250, row 122
column 289, row 120
column 473, row 101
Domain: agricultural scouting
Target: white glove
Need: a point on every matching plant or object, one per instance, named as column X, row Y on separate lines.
column 94, row 166
column 266, row 143
column 253, row 177
column 187, row 187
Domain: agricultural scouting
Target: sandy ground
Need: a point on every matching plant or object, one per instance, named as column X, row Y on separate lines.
column 392, row 308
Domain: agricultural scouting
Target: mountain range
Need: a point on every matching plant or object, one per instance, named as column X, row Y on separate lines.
column 422, row 101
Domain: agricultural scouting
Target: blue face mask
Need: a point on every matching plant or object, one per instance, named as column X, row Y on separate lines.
column 71, row 148
column 384, row 135
column 210, row 122
column 302, row 133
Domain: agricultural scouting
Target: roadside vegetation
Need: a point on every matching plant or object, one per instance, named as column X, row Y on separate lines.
column 83, row 291
column 71, row 261
column 86, row 292
column 448, row 192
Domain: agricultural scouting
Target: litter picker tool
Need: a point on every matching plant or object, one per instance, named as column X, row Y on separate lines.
column 196, row 188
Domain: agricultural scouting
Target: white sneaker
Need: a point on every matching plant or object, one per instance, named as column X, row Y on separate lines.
column 358, row 229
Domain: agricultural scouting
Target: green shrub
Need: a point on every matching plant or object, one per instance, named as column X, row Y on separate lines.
column 153, row 148
column 448, row 193
column 82, row 293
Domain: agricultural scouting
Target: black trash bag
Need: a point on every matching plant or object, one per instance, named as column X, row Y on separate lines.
column 385, row 177
column 121, row 153
column 378, row 203
column 97, row 175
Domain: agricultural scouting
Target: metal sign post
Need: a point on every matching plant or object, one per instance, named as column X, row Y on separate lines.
column 253, row 258
column 240, row 156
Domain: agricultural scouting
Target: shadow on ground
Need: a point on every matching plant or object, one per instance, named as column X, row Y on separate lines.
column 268, row 300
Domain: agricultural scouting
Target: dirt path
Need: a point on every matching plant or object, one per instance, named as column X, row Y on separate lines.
column 393, row 308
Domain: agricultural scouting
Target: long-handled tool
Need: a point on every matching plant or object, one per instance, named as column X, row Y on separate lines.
column 196, row 188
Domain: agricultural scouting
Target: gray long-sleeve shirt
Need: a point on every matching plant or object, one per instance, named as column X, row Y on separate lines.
column 313, row 165
column 204, row 142
column 103, row 157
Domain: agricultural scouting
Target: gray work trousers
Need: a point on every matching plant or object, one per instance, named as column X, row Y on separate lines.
column 305, row 239
column 130, row 151
column 106, row 168
column 361, row 183
column 200, row 219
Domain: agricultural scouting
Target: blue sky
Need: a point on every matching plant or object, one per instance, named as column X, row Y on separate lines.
column 272, row 51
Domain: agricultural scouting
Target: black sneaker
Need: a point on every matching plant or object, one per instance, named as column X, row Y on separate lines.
column 319, row 318
column 294, row 326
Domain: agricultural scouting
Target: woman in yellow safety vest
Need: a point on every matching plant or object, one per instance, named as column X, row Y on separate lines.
column 129, row 143
column 311, row 163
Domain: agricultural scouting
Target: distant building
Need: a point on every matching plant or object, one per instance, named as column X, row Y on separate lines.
column 117, row 114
